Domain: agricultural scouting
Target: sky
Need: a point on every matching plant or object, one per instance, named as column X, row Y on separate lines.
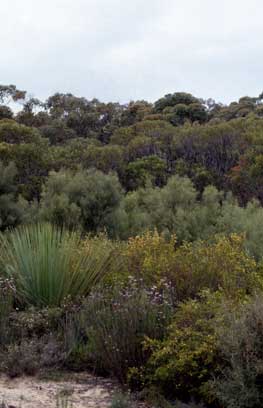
column 122, row 50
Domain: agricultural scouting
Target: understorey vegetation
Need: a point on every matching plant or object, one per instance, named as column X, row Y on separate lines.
column 131, row 245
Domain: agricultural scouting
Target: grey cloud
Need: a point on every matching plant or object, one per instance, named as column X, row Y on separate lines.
column 123, row 49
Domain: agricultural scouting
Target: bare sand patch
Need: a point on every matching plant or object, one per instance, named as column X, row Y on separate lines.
column 83, row 390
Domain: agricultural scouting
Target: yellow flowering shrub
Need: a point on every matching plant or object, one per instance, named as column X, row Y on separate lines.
column 150, row 256
column 185, row 362
column 193, row 266
column 222, row 264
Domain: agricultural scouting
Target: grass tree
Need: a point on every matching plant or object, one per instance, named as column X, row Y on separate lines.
column 49, row 263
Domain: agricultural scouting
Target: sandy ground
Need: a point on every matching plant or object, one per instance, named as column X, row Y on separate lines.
column 84, row 391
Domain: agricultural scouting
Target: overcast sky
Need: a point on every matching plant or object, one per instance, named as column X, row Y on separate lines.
column 123, row 50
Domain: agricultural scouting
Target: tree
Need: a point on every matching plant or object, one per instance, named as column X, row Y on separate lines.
column 5, row 112
column 25, row 147
column 10, row 93
column 86, row 198
column 171, row 209
column 140, row 171
column 11, row 211
column 57, row 132
column 174, row 99
column 105, row 158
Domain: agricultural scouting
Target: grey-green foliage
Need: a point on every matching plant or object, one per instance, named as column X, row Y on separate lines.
column 86, row 198
column 177, row 208
column 167, row 209
column 173, row 209
column 240, row 340
column 94, row 201
column 11, row 210
column 247, row 220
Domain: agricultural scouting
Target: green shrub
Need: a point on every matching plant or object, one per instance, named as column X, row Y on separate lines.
column 241, row 344
column 11, row 209
column 87, row 199
column 182, row 365
column 48, row 263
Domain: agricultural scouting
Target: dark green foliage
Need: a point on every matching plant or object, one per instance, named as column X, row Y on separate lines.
column 210, row 144
column 25, row 147
column 149, row 169
column 57, row 132
column 210, row 136
column 5, row 112
column 175, row 99
column 12, row 133
column 11, row 210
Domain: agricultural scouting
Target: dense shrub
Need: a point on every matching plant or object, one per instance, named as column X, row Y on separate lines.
column 241, row 344
column 220, row 264
column 150, row 256
column 182, row 364
column 213, row 353
column 28, row 356
column 85, row 199
column 193, row 266
column 115, row 322
column 11, row 208
column 171, row 209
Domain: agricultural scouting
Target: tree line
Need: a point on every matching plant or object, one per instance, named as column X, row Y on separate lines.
column 175, row 164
